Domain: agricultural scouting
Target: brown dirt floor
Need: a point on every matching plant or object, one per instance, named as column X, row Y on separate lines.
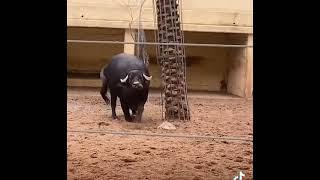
column 105, row 156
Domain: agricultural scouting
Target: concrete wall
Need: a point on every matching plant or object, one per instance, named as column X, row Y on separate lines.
column 206, row 66
column 91, row 57
column 240, row 73
column 205, row 21
column 231, row 16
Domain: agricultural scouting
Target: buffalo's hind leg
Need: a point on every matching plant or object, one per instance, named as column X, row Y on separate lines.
column 103, row 91
column 113, row 105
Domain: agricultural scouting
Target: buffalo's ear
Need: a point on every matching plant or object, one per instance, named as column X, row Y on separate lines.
column 124, row 79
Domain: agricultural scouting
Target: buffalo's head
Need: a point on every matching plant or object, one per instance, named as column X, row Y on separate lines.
column 136, row 79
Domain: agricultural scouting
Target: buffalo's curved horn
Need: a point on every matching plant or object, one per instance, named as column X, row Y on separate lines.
column 148, row 78
column 124, row 79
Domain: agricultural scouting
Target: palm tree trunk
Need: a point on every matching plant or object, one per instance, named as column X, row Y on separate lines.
column 172, row 60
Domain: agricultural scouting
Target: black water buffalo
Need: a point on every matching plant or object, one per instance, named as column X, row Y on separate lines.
column 128, row 78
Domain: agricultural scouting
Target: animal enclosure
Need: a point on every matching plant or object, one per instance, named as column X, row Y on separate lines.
column 206, row 67
column 108, row 156
column 217, row 141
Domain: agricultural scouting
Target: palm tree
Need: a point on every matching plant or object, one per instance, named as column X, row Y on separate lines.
column 172, row 60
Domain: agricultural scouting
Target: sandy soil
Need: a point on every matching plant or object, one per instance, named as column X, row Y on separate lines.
column 105, row 156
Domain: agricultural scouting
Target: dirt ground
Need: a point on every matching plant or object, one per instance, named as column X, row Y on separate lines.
column 105, row 156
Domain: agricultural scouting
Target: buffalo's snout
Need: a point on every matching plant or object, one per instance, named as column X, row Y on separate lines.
column 137, row 85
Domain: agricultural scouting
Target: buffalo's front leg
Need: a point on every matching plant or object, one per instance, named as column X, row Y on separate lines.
column 139, row 113
column 125, row 109
column 134, row 110
column 113, row 105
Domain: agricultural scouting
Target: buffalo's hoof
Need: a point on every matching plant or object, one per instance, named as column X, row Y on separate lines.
column 137, row 119
column 129, row 119
column 115, row 117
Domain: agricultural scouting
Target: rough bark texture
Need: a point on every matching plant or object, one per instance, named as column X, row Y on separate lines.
column 172, row 60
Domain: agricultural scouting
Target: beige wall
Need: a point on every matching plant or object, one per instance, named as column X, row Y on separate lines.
column 207, row 66
column 228, row 21
column 232, row 16
column 240, row 71
column 91, row 57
